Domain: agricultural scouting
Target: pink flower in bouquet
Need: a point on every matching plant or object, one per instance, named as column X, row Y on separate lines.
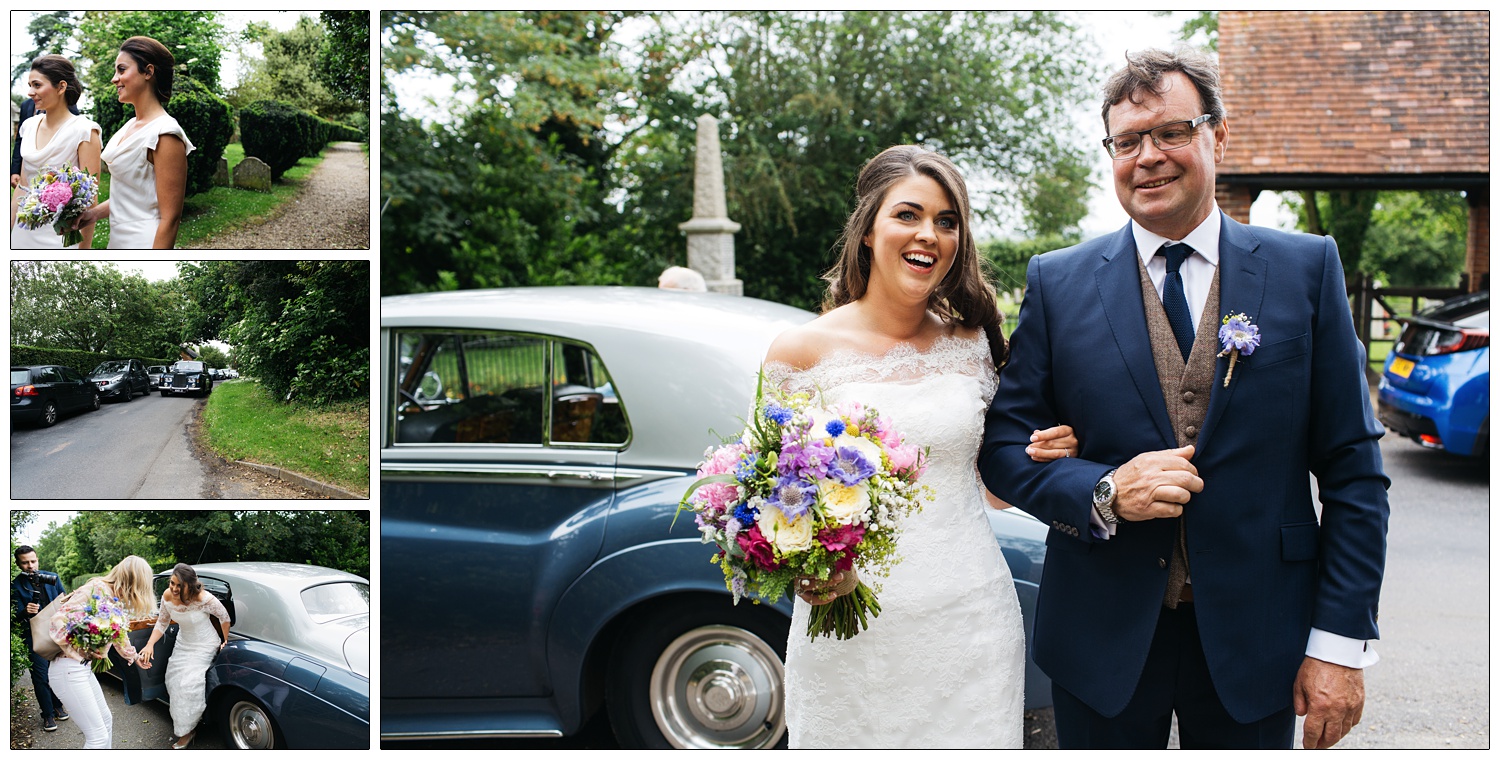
column 907, row 458
column 842, row 537
column 757, row 548
column 720, row 497
column 55, row 196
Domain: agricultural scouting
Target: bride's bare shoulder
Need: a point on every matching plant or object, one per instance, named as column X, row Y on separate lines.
column 804, row 345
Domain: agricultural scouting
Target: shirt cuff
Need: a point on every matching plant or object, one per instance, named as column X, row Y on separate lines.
column 1341, row 650
column 1098, row 527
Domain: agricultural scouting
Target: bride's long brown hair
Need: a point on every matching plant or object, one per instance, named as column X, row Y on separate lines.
column 964, row 295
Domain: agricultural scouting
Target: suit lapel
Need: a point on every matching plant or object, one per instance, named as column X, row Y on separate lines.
column 1119, row 282
column 1242, row 289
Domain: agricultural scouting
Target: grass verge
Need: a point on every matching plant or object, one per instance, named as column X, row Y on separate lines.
column 331, row 444
column 223, row 209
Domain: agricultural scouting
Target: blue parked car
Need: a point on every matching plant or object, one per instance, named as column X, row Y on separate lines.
column 296, row 671
column 534, row 443
column 1436, row 386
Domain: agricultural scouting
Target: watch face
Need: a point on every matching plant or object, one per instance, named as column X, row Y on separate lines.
column 1103, row 492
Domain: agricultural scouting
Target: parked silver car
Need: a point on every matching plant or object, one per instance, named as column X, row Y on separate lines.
column 534, row 444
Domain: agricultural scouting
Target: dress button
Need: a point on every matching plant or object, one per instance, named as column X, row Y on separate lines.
column 1191, row 431
column 1187, row 397
column 1161, row 563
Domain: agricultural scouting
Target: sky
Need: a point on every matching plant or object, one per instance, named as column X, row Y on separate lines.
column 33, row 531
column 229, row 65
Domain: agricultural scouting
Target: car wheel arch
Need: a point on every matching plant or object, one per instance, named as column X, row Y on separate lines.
column 221, row 705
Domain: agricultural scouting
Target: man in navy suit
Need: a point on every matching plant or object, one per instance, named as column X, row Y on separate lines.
column 30, row 591
column 1187, row 568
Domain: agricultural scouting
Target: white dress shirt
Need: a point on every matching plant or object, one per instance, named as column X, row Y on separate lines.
column 1197, row 278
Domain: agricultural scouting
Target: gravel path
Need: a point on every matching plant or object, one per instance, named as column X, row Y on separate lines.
column 332, row 211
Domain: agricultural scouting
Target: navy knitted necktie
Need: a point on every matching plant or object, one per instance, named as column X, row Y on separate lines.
column 1174, row 300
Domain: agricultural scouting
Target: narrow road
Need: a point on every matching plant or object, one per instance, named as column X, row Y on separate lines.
column 144, row 726
column 135, row 450
column 331, row 211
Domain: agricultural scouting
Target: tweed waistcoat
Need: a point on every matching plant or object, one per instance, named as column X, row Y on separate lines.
column 1185, row 387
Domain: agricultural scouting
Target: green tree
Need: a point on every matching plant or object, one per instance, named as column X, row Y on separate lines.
column 1417, row 238
column 79, row 305
column 1200, row 29
column 344, row 61
column 194, row 37
column 213, row 357
column 287, row 70
column 51, row 32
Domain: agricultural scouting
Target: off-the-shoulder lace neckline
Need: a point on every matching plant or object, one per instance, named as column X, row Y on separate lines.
column 899, row 350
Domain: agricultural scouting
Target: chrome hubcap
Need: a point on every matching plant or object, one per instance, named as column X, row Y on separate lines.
column 250, row 727
column 718, row 686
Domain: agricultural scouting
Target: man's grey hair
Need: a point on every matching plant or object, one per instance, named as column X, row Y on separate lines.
column 681, row 278
column 1144, row 71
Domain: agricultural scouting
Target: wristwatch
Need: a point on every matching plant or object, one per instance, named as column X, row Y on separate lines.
column 1104, row 498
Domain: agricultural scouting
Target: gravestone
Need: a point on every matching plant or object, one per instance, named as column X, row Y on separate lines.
column 253, row 174
column 221, row 173
column 710, row 233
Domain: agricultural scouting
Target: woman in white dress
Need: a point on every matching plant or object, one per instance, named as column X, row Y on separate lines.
column 147, row 157
column 71, row 679
column 202, row 630
column 52, row 139
column 911, row 327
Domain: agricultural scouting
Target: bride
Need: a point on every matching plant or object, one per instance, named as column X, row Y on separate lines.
column 199, row 639
column 53, row 139
column 147, row 157
column 911, row 328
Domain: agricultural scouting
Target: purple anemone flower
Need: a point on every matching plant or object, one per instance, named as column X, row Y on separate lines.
column 792, row 496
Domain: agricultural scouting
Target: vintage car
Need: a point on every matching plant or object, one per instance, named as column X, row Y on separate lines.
column 534, row 444
column 122, row 379
column 41, row 395
column 186, row 377
column 296, row 671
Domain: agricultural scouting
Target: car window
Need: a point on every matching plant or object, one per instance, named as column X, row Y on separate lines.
column 470, row 387
column 71, row 375
column 110, row 367
column 20, row 377
column 585, row 407
column 49, row 375
column 336, row 600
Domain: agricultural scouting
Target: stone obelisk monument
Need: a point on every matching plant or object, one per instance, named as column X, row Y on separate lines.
column 710, row 234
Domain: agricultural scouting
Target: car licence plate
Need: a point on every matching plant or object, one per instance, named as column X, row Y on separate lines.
column 1402, row 367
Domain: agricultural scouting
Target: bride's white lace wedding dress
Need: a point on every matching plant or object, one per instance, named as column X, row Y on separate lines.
column 944, row 663
column 192, row 654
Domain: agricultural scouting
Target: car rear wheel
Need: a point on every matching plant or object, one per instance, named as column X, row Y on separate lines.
column 245, row 724
column 49, row 414
column 94, row 403
column 696, row 676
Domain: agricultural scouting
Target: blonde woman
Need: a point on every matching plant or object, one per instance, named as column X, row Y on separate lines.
column 71, row 679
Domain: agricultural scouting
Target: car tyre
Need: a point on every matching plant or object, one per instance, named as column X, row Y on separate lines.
column 700, row 675
column 94, row 405
column 49, row 414
column 129, row 394
column 246, row 724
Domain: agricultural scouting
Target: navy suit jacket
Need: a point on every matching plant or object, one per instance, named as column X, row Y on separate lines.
column 1265, row 567
column 21, row 595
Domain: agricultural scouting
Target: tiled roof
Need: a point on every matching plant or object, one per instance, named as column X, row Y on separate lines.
column 1357, row 92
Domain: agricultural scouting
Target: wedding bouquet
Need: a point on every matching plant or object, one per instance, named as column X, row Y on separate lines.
column 93, row 628
column 56, row 197
column 808, row 491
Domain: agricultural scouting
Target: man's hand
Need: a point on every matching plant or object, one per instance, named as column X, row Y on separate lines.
column 1333, row 699
column 15, row 179
column 32, row 608
column 1156, row 484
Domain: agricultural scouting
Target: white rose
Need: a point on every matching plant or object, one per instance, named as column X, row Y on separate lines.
column 844, row 504
column 787, row 536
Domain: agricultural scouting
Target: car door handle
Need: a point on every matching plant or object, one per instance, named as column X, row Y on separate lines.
column 590, row 475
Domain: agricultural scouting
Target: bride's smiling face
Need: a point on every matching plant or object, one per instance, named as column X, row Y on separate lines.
column 42, row 91
column 914, row 238
column 129, row 81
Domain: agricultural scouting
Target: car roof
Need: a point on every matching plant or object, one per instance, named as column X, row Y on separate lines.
column 280, row 575
column 1458, row 307
column 681, row 363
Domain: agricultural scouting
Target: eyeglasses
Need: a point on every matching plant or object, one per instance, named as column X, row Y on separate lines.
column 1165, row 137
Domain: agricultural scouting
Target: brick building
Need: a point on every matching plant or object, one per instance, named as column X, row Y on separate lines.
column 1358, row 100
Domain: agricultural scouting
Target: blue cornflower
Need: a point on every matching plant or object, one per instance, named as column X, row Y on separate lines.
column 744, row 472
column 835, row 428
column 778, row 414
column 746, row 514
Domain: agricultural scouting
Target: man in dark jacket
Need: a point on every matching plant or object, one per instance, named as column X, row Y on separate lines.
column 32, row 590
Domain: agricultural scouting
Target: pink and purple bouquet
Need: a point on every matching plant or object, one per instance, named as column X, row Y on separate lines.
column 100, row 623
column 56, row 197
column 808, row 491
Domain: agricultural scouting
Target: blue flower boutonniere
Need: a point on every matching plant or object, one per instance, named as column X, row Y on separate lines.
column 1239, row 336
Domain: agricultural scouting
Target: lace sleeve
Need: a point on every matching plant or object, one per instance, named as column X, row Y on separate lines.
column 216, row 608
column 163, row 618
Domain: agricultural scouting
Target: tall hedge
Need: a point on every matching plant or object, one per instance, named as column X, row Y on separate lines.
column 270, row 131
column 83, row 361
column 209, row 124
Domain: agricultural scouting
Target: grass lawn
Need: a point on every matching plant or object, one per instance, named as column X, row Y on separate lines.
column 331, row 444
column 221, row 209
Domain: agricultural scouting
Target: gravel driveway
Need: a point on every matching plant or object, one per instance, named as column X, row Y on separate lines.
column 332, row 211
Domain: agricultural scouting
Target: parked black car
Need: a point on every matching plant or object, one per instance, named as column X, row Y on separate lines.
column 42, row 394
column 186, row 377
column 122, row 378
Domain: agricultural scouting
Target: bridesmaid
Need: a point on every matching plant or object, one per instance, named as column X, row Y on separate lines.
column 50, row 140
column 147, row 157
